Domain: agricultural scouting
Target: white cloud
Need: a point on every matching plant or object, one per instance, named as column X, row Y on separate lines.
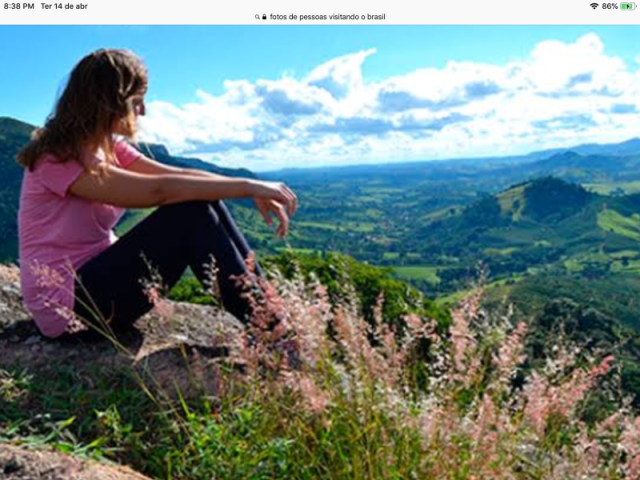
column 560, row 94
column 341, row 76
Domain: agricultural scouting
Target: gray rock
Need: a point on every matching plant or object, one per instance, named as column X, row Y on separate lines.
column 166, row 348
column 180, row 352
column 19, row 463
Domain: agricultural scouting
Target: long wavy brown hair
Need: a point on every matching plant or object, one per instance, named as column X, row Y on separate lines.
column 103, row 90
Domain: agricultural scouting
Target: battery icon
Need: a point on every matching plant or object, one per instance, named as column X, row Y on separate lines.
column 628, row 6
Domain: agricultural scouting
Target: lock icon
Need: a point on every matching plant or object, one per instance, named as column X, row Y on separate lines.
column 264, row 16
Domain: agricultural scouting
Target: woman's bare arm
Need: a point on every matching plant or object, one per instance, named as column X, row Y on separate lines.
column 149, row 166
column 127, row 189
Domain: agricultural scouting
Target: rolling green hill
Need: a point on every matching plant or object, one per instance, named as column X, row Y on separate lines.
column 542, row 224
column 13, row 136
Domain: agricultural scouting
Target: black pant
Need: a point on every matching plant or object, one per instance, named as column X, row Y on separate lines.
column 169, row 240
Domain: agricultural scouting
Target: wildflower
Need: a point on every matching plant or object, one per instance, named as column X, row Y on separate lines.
column 630, row 444
column 45, row 275
column 75, row 326
column 251, row 262
column 588, row 454
column 314, row 398
column 464, row 343
column 211, row 280
column 543, row 398
column 510, row 354
column 153, row 289
column 485, row 439
column 65, row 312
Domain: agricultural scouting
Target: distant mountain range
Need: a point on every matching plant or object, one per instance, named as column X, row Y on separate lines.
column 607, row 168
column 161, row 154
column 627, row 148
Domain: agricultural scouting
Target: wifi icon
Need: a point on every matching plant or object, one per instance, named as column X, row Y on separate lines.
column 594, row 5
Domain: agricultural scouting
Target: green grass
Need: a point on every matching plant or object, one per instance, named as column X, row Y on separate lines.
column 507, row 201
column 420, row 272
column 364, row 227
column 447, row 301
column 610, row 220
column 440, row 214
column 624, row 254
column 60, row 406
column 500, row 251
column 382, row 190
column 250, row 433
column 577, row 263
column 324, row 226
column 519, row 235
column 303, row 251
column 370, row 199
column 133, row 217
column 373, row 213
column 572, row 265
column 632, row 266
column 605, row 188
column 502, row 285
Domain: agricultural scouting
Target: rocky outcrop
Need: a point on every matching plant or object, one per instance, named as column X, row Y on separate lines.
column 17, row 463
column 176, row 348
column 168, row 348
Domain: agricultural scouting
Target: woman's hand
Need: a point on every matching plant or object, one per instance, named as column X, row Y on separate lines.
column 275, row 197
column 277, row 191
column 267, row 206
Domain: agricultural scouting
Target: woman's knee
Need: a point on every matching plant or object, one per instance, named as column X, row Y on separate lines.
column 190, row 211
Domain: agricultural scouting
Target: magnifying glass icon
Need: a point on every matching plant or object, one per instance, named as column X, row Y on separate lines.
column 257, row 17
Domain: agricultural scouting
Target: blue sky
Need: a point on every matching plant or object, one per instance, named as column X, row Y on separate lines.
column 266, row 97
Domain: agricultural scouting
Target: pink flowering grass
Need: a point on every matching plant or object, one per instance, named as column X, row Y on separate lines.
column 327, row 394
column 47, row 277
column 353, row 393
column 152, row 285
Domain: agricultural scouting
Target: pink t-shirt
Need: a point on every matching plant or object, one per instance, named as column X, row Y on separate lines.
column 58, row 233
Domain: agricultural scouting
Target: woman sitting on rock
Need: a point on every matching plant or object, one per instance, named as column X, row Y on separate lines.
column 79, row 177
